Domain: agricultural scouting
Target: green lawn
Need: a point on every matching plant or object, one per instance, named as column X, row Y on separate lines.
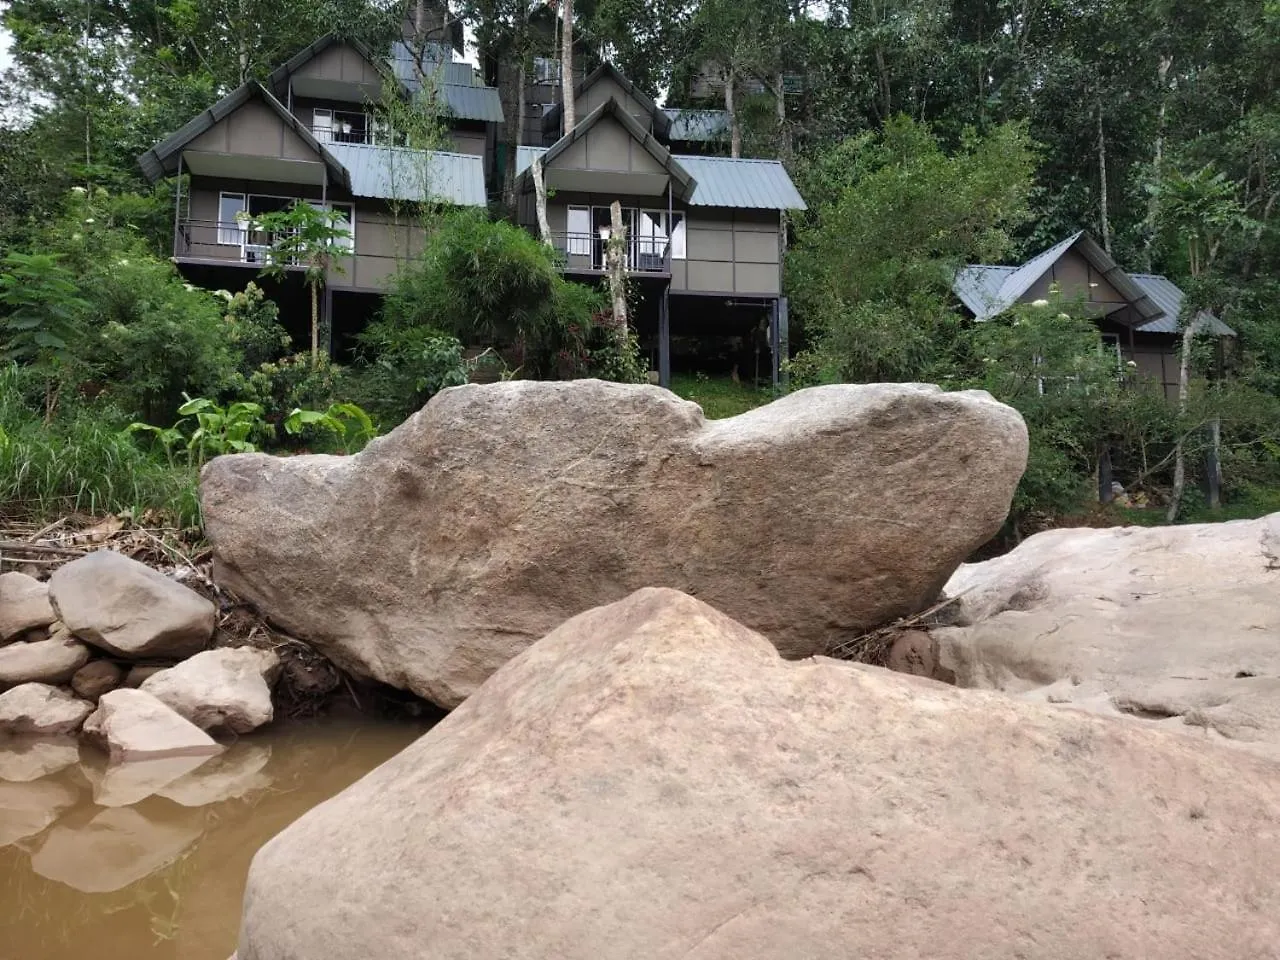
column 719, row 397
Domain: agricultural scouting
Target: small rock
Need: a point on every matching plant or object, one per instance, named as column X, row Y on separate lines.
column 126, row 608
column 24, row 605
column 35, row 635
column 139, row 673
column 50, row 661
column 220, row 689
column 37, row 708
column 912, row 652
column 134, row 725
column 23, row 759
column 96, row 678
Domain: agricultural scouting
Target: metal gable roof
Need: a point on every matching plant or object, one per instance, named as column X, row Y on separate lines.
column 161, row 160
column 471, row 103
column 551, row 119
column 722, row 181
column 696, row 125
column 743, row 184
column 978, row 287
column 398, row 173
column 1168, row 297
column 651, row 144
column 1025, row 276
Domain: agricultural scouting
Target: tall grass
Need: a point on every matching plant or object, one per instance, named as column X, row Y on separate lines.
column 82, row 462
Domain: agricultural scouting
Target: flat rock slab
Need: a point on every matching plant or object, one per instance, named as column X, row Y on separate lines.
column 134, row 725
column 24, row 605
column 128, row 609
column 223, row 689
column 652, row 782
column 449, row 545
column 51, row 661
column 39, row 709
column 1176, row 625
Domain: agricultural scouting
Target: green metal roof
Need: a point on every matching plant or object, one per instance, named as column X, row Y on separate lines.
column 398, row 173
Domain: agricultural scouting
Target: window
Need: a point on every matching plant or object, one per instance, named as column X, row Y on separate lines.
column 546, row 70
column 579, row 240
column 677, row 237
column 322, row 125
column 230, row 230
column 1111, row 342
column 350, row 127
column 346, row 220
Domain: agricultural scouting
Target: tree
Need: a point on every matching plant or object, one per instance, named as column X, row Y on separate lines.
column 313, row 238
column 891, row 218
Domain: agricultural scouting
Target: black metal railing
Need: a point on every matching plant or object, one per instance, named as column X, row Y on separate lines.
column 587, row 253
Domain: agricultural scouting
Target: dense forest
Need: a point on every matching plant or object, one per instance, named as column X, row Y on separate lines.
column 923, row 134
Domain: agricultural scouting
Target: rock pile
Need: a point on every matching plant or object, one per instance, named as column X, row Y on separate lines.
column 70, row 651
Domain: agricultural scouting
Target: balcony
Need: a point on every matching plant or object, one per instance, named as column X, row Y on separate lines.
column 584, row 253
column 232, row 241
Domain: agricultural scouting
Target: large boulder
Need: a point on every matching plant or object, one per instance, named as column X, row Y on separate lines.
column 652, row 781
column 46, row 661
column 42, row 710
column 134, row 725
column 1170, row 624
column 224, row 689
column 496, row 512
column 128, row 609
column 24, row 605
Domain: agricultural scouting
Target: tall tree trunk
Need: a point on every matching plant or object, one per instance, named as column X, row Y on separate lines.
column 513, row 108
column 1184, row 385
column 780, row 107
column 730, row 107
column 617, row 264
column 566, row 68
column 1104, row 220
column 1157, row 164
column 540, row 200
column 315, row 324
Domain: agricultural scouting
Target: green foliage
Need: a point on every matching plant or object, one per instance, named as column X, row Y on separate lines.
column 254, row 328
column 892, row 217
column 81, row 461
column 494, row 284
column 402, row 367
column 289, row 382
column 208, row 430
column 347, row 423
column 41, row 317
column 719, row 397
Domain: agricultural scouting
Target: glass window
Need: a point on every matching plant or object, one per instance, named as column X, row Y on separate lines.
column 346, row 220
column 677, row 237
column 579, row 224
column 322, row 125
column 546, row 70
column 230, row 230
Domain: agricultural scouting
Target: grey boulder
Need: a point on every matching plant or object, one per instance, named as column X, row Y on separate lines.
column 1169, row 625
column 46, row 661
column 24, row 605
column 225, row 689
column 128, row 609
column 134, row 725
column 652, row 781
column 449, row 545
column 42, row 710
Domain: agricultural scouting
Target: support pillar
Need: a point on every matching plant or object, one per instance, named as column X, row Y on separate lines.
column 1105, row 494
column 774, row 343
column 1213, row 465
column 664, row 337
column 783, row 381
column 177, row 212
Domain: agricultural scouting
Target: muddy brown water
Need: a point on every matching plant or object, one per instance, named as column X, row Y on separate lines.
column 148, row 860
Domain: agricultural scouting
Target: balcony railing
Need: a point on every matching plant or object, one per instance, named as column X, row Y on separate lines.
column 236, row 241
column 586, row 253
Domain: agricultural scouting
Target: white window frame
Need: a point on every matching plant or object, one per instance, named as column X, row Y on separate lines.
column 231, row 236
column 578, row 239
column 322, row 132
column 543, row 72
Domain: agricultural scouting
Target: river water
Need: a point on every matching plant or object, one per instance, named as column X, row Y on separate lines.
column 148, row 860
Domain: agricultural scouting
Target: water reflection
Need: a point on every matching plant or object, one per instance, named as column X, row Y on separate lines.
column 148, row 859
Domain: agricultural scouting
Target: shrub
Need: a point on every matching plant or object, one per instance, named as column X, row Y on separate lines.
column 401, row 368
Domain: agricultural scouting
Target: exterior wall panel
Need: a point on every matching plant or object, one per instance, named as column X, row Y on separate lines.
column 253, row 130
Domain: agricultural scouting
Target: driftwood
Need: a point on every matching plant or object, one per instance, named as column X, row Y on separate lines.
column 873, row 647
